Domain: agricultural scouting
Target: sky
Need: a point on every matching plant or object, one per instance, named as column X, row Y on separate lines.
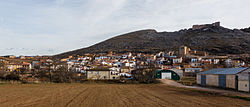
column 48, row 27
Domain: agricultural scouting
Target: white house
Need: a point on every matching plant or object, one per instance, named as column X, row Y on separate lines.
column 193, row 70
column 177, row 60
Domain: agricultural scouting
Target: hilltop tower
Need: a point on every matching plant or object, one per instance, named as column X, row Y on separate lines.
column 183, row 51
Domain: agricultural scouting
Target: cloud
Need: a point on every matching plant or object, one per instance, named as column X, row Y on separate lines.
column 64, row 25
column 60, row 2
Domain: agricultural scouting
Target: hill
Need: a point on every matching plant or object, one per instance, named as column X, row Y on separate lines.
column 246, row 30
column 214, row 39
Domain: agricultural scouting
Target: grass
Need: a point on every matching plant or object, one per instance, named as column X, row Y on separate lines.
column 189, row 81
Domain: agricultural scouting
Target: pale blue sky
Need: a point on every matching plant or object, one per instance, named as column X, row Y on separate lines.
column 47, row 27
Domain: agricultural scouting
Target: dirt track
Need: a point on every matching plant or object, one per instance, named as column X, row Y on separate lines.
column 208, row 89
column 99, row 95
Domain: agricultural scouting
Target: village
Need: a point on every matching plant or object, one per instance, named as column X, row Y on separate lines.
column 189, row 67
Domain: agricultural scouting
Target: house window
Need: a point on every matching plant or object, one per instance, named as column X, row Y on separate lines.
column 104, row 77
column 97, row 72
column 91, row 72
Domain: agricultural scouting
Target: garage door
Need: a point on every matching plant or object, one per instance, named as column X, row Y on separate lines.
column 203, row 80
column 166, row 76
column 222, row 81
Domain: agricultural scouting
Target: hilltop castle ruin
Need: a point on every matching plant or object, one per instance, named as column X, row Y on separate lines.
column 195, row 27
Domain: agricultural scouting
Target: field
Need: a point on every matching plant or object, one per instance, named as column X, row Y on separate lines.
column 104, row 95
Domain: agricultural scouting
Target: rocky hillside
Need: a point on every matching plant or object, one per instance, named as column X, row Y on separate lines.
column 213, row 39
column 246, row 30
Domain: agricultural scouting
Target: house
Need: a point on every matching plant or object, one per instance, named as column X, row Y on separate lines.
column 126, row 69
column 128, row 75
column 191, row 72
column 102, row 73
column 101, row 57
column 195, row 64
column 27, row 65
column 115, row 69
column 98, row 74
column 220, row 77
column 177, row 60
column 244, row 81
column 130, row 64
column 22, row 57
column 234, row 63
column 10, row 56
column 35, row 64
column 14, row 66
column 114, row 75
column 166, row 67
column 194, row 59
column 64, row 60
column 194, row 70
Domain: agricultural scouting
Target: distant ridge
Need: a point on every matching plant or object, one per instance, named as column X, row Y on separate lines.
column 212, row 38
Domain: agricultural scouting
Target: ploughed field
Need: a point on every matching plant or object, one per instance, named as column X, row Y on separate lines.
column 106, row 95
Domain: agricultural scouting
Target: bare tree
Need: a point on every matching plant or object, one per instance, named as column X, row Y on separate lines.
column 3, row 70
column 144, row 75
column 43, row 75
column 49, row 64
column 62, row 75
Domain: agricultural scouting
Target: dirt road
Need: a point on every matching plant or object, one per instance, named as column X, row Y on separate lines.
column 217, row 90
column 106, row 95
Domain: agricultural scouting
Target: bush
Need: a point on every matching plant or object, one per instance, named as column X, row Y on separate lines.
column 12, row 76
column 63, row 75
column 144, row 75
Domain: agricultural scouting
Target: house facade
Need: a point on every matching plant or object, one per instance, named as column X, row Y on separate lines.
column 220, row 77
column 244, row 81
column 98, row 75
column 193, row 70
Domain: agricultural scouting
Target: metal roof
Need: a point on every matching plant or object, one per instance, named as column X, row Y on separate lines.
column 245, row 72
column 224, row 71
column 212, row 71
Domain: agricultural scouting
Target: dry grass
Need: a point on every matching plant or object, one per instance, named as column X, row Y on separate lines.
column 189, row 81
column 104, row 95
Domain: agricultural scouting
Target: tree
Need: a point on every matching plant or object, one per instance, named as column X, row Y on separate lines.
column 12, row 76
column 42, row 75
column 3, row 70
column 49, row 64
column 144, row 75
column 62, row 75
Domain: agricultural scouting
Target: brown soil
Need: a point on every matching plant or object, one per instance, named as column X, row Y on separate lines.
column 106, row 95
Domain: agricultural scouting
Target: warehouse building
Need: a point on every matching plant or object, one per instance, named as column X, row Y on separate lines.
column 178, row 71
column 244, row 81
column 220, row 77
column 167, row 74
